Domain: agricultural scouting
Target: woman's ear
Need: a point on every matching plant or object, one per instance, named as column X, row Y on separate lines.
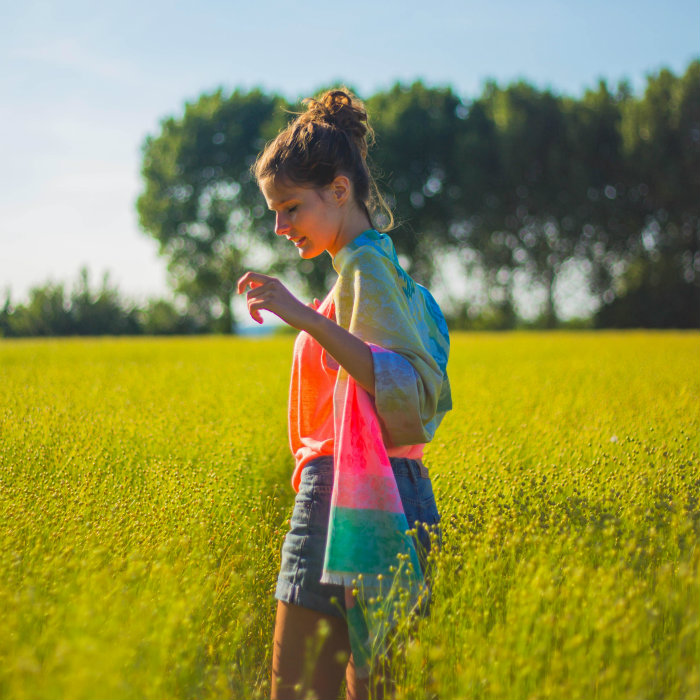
column 341, row 190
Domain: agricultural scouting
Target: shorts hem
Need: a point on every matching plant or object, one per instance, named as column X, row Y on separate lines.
column 291, row 593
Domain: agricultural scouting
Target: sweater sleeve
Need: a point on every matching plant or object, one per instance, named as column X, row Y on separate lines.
column 372, row 302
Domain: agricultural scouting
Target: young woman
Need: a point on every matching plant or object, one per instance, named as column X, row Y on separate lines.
column 368, row 389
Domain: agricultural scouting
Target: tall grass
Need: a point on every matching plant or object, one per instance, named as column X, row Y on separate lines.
column 144, row 494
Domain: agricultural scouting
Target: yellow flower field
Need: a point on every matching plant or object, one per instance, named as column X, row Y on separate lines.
column 145, row 491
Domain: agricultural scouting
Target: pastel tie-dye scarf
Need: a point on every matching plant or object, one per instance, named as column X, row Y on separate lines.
column 368, row 547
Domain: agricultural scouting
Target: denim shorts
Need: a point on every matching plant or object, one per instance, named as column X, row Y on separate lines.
column 304, row 547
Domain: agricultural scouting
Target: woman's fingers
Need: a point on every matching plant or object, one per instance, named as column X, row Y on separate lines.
column 269, row 294
column 254, row 308
column 264, row 297
column 257, row 294
column 252, row 279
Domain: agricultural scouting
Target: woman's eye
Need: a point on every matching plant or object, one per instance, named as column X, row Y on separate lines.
column 291, row 210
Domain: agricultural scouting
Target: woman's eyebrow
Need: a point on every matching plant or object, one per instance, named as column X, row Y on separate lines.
column 278, row 205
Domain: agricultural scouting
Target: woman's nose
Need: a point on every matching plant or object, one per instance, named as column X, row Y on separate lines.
column 281, row 224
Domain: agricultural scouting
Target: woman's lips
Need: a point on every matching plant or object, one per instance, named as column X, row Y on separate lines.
column 299, row 241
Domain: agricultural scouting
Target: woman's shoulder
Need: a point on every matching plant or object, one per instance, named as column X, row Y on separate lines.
column 371, row 282
column 371, row 253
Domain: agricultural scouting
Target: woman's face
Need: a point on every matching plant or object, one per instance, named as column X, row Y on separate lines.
column 309, row 217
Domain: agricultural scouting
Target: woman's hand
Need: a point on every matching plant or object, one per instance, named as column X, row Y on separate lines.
column 346, row 349
column 270, row 294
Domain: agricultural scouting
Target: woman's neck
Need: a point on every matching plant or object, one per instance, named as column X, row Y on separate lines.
column 357, row 222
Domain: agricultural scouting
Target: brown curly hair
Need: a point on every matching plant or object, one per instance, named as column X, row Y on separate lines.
column 331, row 138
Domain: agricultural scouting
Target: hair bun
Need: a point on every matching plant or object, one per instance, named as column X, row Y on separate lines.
column 330, row 138
column 341, row 109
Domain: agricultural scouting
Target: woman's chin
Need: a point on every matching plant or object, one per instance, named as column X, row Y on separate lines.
column 309, row 253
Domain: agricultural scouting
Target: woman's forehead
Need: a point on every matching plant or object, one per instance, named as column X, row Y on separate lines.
column 278, row 192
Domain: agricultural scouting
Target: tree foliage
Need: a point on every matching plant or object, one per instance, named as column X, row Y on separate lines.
column 433, row 156
column 513, row 188
column 52, row 311
column 199, row 200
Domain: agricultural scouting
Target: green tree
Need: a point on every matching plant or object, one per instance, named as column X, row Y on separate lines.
column 6, row 314
column 434, row 157
column 660, row 260
column 603, row 216
column 651, row 295
column 100, row 312
column 527, row 225
column 161, row 317
column 517, row 185
column 47, row 313
column 200, row 201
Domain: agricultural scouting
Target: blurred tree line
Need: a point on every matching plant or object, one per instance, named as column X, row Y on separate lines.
column 508, row 196
column 52, row 311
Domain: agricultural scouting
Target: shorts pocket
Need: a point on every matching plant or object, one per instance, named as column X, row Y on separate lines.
column 418, row 499
column 419, row 506
column 302, row 508
column 319, row 509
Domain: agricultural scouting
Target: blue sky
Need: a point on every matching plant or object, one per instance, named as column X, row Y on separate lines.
column 83, row 83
